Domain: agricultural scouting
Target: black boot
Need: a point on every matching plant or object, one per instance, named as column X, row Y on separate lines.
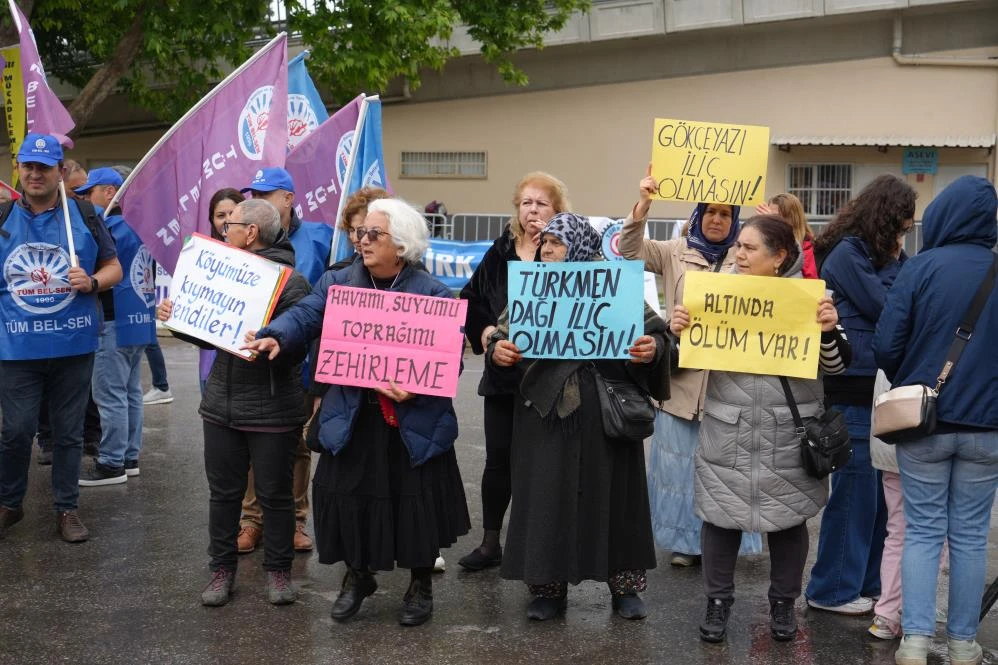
column 629, row 606
column 357, row 586
column 417, row 604
column 715, row 623
column 542, row 608
column 783, row 620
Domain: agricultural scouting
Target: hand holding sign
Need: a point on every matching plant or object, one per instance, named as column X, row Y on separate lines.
column 643, row 350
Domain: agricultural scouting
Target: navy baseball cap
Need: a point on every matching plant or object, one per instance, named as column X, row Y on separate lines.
column 270, row 179
column 101, row 176
column 41, row 149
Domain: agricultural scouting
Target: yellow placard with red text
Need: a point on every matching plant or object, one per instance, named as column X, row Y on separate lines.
column 13, row 102
column 758, row 325
column 710, row 162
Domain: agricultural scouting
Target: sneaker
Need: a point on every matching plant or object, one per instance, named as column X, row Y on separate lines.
column 97, row 474
column 280, row 590
column 157, row 396
column 219, row 588
column 884, row 628
column 70, row 528
column 964, row 652
column 853, row 608
column 439, row 565
column 783, row 620
column 914, row 650
column 715, row 623
column 249, row 537
column 681, row 560
column 131, row 467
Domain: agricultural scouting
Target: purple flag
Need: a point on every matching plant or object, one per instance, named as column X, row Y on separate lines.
column 45, row 114
column 238, row 128
column 318, row 165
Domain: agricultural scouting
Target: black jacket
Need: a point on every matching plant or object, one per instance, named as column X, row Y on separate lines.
column 260, row 393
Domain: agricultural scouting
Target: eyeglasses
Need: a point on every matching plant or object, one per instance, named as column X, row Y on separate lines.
column 226, row 225
column 372, row 234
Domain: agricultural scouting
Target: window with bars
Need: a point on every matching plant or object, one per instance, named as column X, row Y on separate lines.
column 444, row 165
column 821, row 188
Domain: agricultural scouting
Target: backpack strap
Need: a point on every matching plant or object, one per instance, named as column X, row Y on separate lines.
column 5, row 211
column 90, row 216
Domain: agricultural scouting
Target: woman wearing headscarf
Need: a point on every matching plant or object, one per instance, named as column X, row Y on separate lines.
column 580, row 503
column 707, row 246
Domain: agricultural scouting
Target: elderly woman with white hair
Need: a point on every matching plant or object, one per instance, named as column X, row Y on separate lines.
column 387, row 490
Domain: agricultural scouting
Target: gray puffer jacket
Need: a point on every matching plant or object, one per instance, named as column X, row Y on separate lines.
column 748, row 467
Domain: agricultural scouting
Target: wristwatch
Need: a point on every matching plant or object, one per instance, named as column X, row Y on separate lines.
column 94, row 285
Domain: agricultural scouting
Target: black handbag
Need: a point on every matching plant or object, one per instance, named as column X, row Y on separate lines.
column 627, row 411
column 825, row 445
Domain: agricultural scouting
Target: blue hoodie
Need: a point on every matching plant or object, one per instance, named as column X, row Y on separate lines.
column 930, row 297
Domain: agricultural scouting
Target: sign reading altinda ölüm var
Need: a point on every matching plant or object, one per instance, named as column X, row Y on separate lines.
column 758, row 325
column 372, row 337
column 710, row 162
column 220, row 292
column 576, row 310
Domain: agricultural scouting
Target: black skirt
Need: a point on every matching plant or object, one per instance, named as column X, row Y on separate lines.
column 580, row 501
column 374, row 510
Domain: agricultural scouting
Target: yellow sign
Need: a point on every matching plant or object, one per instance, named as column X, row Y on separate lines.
column 714, row 163
column 13, row 102
column 758, row 325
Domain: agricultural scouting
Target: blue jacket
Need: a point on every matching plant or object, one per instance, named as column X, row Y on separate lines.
column 860, row 290
column 428, row 425
column 931, row 296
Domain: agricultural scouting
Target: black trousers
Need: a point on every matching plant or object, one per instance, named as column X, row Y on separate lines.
column 496, row 484
column 228, row 454
column 787, row 556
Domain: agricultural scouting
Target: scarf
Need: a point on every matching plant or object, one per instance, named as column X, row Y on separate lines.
column 576, row 233
column 712, row 251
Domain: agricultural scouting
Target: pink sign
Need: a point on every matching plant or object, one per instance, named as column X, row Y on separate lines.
column 370, row 337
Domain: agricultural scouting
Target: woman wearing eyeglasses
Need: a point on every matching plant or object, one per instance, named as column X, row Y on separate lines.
column 537, row 197
column 387, row 490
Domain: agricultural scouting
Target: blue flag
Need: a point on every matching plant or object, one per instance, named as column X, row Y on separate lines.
column 369, row 166
column 305, row 108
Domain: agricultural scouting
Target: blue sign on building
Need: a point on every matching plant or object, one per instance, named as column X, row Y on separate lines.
column 920, row 160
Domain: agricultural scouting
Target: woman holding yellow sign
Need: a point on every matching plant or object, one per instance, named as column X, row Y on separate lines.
column 749, row 473
column 708, row 245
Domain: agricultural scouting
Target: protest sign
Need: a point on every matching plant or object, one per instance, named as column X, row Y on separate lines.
column 759, row 325
column 714, row 163
column 371, row 337
column 13, row 102
column 572, row 311
column 220, row 292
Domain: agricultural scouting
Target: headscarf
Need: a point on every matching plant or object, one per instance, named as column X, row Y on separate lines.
column 576, row 233
column 712, row 251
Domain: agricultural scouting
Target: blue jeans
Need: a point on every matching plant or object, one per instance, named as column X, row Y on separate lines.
column 157, row 365
column 948, row 482
column 118, row 393
column 854, row 524
column 66, row 382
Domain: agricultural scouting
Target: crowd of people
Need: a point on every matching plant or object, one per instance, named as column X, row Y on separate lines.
column 725, row 464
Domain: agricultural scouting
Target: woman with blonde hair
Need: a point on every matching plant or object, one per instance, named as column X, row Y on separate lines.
column 538, row 196
column 791, row 210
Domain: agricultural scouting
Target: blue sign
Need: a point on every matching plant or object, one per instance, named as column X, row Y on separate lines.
column 454, row 262
column 576, row 311
column 920, row 160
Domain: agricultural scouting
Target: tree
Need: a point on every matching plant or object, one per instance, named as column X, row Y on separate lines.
column 166, row 54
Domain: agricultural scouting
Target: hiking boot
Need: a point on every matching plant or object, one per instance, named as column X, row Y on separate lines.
column 417, row 604
column 356, row 587
column 914, row 650
column 280, row 590
column 9, row 517
column 783, row 620
column 97, row 474
column 715, row 622
column 861, row 605
column 131, row 468
column 157, row 396
column 302, row 541
column 964, row 652
column 219, row 588
column 884, row 628
column 70, row 528
column 249, row 538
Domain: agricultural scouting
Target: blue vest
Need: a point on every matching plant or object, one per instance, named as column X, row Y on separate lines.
column 42, row 316
column 135, row 294
column 312, row 241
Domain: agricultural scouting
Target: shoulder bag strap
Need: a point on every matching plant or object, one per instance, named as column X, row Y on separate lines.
column 792, row 403
column 966, row 328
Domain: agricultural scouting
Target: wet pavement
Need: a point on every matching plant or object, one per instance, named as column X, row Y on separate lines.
column 131, row 594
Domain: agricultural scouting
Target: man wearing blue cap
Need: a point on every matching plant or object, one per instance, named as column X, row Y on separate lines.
column 128, row 327
column 48, row 303
column 312, row 242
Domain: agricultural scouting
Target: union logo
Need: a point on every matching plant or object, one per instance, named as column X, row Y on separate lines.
column 302, row 120
column 611, row 241
column 343, row 151
column 39, row 143
column 37, row 276
column 253, row 121
column 372, row 178
column 142, row 276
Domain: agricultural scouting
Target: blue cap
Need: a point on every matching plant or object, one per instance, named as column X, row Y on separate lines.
column 40, row 148
column 270, row 179
column 101, row 176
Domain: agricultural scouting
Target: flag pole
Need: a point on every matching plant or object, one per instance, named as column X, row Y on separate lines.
column 73, row 261
column 347, row 178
